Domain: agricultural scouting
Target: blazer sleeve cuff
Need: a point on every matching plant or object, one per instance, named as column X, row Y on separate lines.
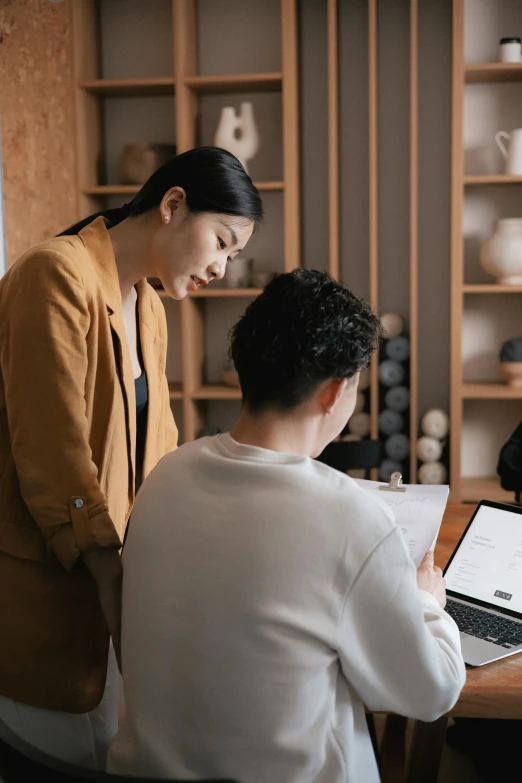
column 83, row 534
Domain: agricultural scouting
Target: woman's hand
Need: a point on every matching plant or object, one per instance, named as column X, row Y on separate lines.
column 430, row 579
column 106, row 569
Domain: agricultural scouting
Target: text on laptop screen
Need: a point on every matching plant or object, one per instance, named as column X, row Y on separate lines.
column 488, row 563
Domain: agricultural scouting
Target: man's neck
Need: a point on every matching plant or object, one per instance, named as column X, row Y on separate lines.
column 292, row 433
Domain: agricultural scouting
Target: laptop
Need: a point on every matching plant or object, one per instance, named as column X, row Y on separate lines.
column 484, row 584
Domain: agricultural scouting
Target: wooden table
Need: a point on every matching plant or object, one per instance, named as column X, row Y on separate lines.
column 491, row 691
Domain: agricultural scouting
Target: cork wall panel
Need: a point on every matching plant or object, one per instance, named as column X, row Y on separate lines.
column 37, row 120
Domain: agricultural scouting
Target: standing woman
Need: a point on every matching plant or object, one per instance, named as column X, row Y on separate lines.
column 84, row 415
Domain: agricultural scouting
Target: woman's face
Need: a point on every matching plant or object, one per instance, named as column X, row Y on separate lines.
column 190, row 250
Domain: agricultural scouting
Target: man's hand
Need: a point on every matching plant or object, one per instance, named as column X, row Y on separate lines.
column 106, row 569
column 430, row 579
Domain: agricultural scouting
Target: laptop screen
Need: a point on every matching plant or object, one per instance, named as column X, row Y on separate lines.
column 488, row 562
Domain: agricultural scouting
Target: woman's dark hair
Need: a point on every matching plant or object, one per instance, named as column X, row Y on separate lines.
column 213, row 179
column 303, row 329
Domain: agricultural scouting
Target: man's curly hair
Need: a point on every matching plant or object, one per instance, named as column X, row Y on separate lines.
column 303, row 329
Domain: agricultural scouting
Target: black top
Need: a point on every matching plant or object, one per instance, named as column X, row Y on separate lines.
column 142, row 400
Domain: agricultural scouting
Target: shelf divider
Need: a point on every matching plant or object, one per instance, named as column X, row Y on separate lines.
column 161, row 85
column 233, row 83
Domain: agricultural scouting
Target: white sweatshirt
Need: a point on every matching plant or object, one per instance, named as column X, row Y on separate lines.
column 267, row 598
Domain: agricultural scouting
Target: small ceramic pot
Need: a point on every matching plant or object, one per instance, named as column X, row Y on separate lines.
column 139, row 161
column 512, row 372
column 262, row 279
column 229, row 375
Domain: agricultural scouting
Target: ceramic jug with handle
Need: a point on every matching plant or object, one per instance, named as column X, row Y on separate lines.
column 513, row 154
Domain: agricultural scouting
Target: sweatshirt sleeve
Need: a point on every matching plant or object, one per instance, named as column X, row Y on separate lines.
column 43, row 356
column 398, row 648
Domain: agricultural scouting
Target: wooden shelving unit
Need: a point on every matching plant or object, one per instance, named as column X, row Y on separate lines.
column 126, row 88
column 176, row 391
column 484, row 488
column 490, row 288
column 334, row 164
column 491, row 179
column 186, row 85
column 492, row 72
column 373, row 189
column 130, row 190
column 490, row 391
column 414, row 234
column 466, row 488
column 216, row 392
column 245, row 82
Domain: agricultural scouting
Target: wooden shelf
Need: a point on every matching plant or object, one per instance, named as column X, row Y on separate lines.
column 493, row 72
column 491, row 288
column 210, row 292
column 132, row 88
column 126, row 190
column 269, row 185
column 184, row 88
column 111, row 190
column 492, row 179
column 241, row 82
column 490, row 391
column 484, row 488
column 217, row 393
column 176, row 391
column 217, row 293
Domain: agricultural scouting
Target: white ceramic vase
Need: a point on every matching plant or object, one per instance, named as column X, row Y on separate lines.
column 501, row 253
column 238, row 133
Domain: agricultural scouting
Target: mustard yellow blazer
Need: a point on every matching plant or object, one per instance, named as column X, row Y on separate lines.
column 67, row 458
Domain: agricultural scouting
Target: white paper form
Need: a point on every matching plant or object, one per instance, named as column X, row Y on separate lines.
column 418, row 512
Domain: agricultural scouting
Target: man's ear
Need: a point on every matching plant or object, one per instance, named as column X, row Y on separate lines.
column 332, row 393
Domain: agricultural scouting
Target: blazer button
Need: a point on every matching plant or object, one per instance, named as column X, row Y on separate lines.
column 78, row 503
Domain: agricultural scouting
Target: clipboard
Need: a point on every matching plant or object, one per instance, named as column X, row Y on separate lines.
column 417, row 508
column 395, row 484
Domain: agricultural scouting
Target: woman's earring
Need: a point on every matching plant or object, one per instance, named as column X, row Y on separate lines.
column 167, row 218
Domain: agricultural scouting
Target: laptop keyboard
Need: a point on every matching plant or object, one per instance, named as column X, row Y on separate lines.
column 483, row 625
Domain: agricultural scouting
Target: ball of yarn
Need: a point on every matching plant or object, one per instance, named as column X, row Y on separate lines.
column 389, row 466
column 432, row 473
column 398, row 349
column 397, row 399
column 390, row 422
column 428, row 449
column 360, row 402
column 364, row 379
column 397, row 447
column 435, row 423
column 359, row 424
column 391, row 373
column 392, row 325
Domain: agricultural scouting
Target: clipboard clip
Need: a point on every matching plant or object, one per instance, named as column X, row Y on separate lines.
column 395, row 484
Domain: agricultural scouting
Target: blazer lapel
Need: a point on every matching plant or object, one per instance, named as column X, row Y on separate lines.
column 96, row 239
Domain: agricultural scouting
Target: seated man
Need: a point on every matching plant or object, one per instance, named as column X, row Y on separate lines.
column 268, row 598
